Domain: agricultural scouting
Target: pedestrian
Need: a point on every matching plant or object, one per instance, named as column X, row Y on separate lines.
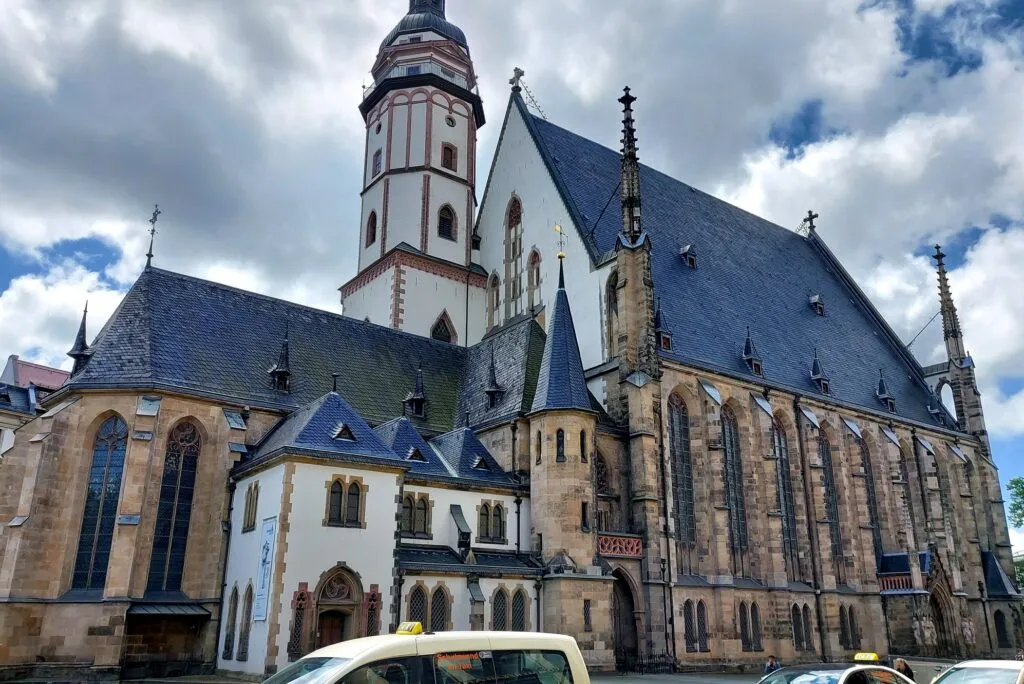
column 903, row 667
column 771, row 666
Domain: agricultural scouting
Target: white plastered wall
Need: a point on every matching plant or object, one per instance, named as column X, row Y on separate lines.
column 373, row 299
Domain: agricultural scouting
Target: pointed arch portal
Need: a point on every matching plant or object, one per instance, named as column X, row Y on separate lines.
column 624, row 624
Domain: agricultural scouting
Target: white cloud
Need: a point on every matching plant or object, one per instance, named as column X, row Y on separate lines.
column 1017, row 540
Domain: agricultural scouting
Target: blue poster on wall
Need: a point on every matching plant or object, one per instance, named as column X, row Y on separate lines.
column 263, row 578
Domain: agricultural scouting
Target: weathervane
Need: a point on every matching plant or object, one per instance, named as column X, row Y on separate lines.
column 517, row 76
column 561, row 241
column 152, row 233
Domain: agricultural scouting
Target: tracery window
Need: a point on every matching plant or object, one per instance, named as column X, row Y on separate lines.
column 102, row 493
column 371, row 229
column 352, row 504
column 174, row 510
column 682, row 469
column 439, row 611
column 787, row 501
column 533, row 279
column 514, row 256
column 229, row 632
column 738, row 540
column 499, row 611
column 869, row 482
column 442, row 330
column 519, row 611
column 243, row 629
column 832, row 507
column 446, row 223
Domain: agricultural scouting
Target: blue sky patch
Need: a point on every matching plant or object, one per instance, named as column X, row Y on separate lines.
column 805, row 127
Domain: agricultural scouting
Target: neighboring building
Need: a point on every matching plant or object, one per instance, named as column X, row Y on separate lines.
column 719, row 450
column 17, row 407
column 25, row 374
column 23, row 385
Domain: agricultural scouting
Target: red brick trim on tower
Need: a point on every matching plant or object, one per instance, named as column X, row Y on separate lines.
column 425, row 213
column 398, row 298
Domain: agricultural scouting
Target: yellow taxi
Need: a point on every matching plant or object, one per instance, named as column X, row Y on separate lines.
column 411, row 656
column 983, row 672
column 866, row 669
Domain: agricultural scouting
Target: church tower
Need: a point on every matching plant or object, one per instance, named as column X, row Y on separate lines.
column 415, row 238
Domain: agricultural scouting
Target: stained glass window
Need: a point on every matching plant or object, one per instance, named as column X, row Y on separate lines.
column 499, row 611
column 418, row 605
column 334, row 510
column 682, row 469
column 438, row 611
column 519, row 611
column 174, row 510
column 352, row 504
column 734, row 489
column 104, row 489
column 787, row 501
column 869, row 481
column 832, row 507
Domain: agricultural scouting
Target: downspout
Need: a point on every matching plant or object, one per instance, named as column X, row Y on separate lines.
column 515, row 430
column 519, row 524
column 226, row 528
column 538, row 587
column 811, row 525
column 670, row 617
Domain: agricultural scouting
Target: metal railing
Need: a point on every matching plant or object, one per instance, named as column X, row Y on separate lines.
column 403, row 70
column 647, row 663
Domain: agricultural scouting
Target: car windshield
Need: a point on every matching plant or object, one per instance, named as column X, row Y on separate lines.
column 309, row 671
column 978, row 675
column 802, row 676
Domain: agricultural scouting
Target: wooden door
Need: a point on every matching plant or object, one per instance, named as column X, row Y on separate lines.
column 331, row 628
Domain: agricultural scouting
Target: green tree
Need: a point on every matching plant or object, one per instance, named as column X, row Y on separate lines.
column 1016, row 489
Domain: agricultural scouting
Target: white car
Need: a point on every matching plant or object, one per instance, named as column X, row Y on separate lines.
column 983, row 672
column 835, row 673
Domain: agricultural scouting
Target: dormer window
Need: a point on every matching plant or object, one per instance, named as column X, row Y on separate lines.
column 417, row 455
column 689, row 255
column 890, row 405
column 417, row 407
column 751, row 357
column 883, row 393
column 755, row 367
column 481, row 464
column 665, row 341
column 823, row 385
column 818, row 304
column 818, row 376
column 344, row 433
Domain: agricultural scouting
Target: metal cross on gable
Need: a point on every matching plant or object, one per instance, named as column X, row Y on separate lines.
column 517, row 76
column 810, row 219
column 152, row 233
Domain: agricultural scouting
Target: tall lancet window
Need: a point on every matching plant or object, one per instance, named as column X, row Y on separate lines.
column 869, row 482
column 174, row 509
column 104, row 488
column 682, row 478
column 493, row 301
column 832, row 508
column 787, row 501
column 734, row 495
column 514, row 257
column 533, row 279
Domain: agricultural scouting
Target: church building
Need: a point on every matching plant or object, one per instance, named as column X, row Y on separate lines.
column 601, row 403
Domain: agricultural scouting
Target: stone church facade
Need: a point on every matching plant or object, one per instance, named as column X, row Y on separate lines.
column 669, row 428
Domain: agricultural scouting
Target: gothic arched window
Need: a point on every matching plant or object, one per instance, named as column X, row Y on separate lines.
column 442, row 330
column 377, row 163
column 787, row 501
column 352, row 504
column 560, row 446
column 1002, row 633
column 499, row 611
column 755, row 627
column 702, row 627
column 514, row 256
column 734, row 495
column 498, row 522
column 519, row 611
column 229, row 631
column 418, row 605
column 243, row 628
column 832, row 507
column 583, row 446
column 611, row 304
column 682, row 469
column 420, row 523
column 407, row 514
column 854, row 631
column 438, row 611
column 174, row 510
column 844, row 628
column 869, row 482
column 493, row 301
column 334, row 506
column 446, row 226
column 689, row 627
column 484, row 531
column 102, row 493
column 371, row 229
column 808, row 630
column 533, row 279
column 798, row 629
column 744, row 627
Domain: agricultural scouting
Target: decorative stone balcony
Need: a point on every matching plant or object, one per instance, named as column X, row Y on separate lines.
column 895, row 582
column 620, row 545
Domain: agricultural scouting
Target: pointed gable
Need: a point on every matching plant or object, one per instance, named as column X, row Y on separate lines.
column 403, row 439
column 463, row 454
column 561, row 383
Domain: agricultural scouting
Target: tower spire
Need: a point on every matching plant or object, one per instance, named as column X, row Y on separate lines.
column 950, row 318
column 631, row 226
column 431, row 6
column 80, row 351
column 152, row 234
column 281, row 372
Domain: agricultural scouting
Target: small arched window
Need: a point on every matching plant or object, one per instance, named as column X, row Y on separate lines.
column 689, row 627
column 493, row 301
column 583, row 446
column 484, row 531
column 442, row 331
column 170, row 537
column 702, row 627
column 407, row 514
column 371, row 229
column 243, row 630
column 446, row 223
column 755, row 627
column 808, row 630
column 798, row 629
column 499, row 611
column 101, row 497
column 560, row 446
column 533, row 279
column 352, row 505
column 377, row 163
column 439, row 611
column 418, row 605
column 538, row 446
column 420, row 523
column 1002, row 633
column 519, row 611
column 334, row 506
column 744, row 627
column 449, row 157
column 229, row 632
column 498, row 522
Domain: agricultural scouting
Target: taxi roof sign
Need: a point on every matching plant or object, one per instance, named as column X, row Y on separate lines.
column 866, row 658
column 410, row 628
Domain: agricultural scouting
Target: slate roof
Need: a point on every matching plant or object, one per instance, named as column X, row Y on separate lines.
column 425, row 20
column 15, row 399
column 401, row 437
column 178, row 332
column 998, row 585
column 24, row 373
column 750, row 272
column 462, row 451
column 561, row 383
column 435, row 558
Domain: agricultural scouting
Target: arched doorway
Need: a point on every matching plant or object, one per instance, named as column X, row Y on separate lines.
column 624, row 624
column 338, row 607
column 946, row 644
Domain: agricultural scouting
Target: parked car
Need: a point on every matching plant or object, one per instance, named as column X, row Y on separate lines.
column 983, row 672
column 835, row 673
column 411, row 657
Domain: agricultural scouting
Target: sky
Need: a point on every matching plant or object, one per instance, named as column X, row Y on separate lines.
column 901, row 122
